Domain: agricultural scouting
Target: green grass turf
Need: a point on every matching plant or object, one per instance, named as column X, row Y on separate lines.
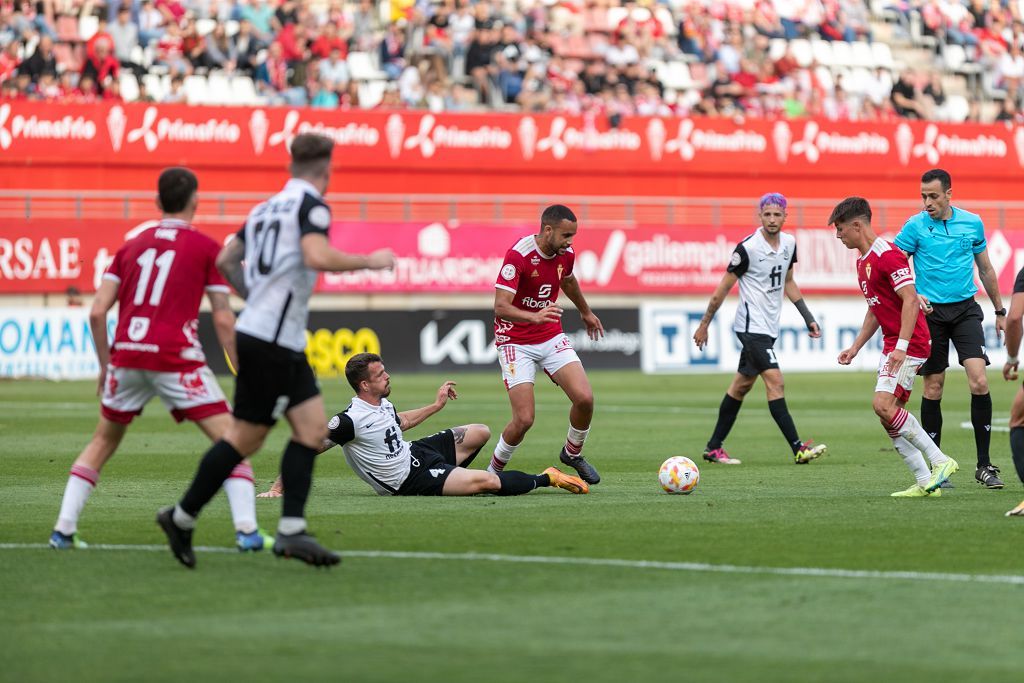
column 101, row 615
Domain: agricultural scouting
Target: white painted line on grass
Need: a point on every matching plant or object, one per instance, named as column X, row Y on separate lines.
column 821, row 572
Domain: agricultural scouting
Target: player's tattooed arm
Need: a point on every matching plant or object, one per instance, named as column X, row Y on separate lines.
column 700, row 337
column 229, row 263
column 460, row 434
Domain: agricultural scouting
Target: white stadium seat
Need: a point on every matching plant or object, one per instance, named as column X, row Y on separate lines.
column 129, row 86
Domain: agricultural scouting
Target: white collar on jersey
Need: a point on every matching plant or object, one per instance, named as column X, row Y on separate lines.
column 370, row 406
column 304, row 184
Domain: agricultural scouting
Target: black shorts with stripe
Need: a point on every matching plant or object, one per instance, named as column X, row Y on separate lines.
column 433, row 459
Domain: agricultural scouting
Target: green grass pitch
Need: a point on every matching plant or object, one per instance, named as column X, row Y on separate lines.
column 136, row 615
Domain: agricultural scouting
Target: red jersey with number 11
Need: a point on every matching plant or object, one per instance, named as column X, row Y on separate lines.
column 534, row 280
column 882, row 272
column 162, row 275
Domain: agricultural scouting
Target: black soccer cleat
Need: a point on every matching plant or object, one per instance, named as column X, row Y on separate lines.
column 303, row 546
column 988, row 476
column 583, row 468
column 179, row 539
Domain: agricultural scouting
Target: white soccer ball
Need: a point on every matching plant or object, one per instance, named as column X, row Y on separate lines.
column 678, row 475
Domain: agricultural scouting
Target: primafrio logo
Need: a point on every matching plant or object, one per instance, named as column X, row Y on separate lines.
column 156, row 129
column 563, row 137
column 935, row 145
column 37, row 128
column 432, row 136
column 814, row 143
column 689, row 140
column 350, row 135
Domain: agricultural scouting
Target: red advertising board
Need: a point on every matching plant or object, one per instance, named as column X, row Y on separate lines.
column 241, row 148
column 49, row 256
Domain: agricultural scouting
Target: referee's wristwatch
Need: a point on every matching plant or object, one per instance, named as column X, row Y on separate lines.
column 1001, row 311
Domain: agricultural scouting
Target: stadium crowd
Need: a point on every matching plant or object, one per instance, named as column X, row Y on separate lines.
column 612, row 58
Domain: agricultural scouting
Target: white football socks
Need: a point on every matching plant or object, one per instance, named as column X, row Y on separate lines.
column 241, row 493
column 502, row 454
column 81, row 483
column 575, row 439
column 910, row 429
column 914, row 460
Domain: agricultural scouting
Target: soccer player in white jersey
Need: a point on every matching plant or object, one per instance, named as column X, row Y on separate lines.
column 370, row 430
column 763, row 265
column 528, row 334
column 283, row 244
column 885, row 279
column 158, row 279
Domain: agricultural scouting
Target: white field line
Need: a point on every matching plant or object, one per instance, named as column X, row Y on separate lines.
column 819, row 572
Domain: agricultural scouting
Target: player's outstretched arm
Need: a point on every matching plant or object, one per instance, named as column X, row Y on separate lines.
column 867, row 331
column 990, row 281
column 229, row 263
column 318, row 254
column 106, row 297
column 407, row 419
column 224, row 324
column 571, row 287
column 1014, row 332
column 700, row 337
column 793, row 294
column 506, row 310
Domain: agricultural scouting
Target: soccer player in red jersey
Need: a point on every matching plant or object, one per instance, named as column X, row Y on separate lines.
column 528, row 334
column 887, row 282
column 158, row 279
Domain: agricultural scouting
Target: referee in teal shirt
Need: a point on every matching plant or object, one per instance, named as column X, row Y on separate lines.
column 946, row 242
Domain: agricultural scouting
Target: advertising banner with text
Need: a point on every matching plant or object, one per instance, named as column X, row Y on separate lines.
column 667, row 330
column 51, row 255
column 50, row 343
column 419, row 341
column 161, row 134
column 34, row 135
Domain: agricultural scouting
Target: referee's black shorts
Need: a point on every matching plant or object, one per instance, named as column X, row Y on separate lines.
column 960, row 323
column 271, row 380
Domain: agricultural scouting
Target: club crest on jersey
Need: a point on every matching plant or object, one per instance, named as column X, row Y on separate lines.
column 559, row 271
column 508, row 271
column 867, row 269
column 511, row 368
column 137, row 328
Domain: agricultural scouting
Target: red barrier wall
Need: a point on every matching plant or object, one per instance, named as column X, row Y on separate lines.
column 106, row 146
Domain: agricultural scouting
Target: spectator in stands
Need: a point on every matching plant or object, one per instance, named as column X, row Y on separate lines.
column 856, row 20
column 322, row 97
column 934, row 96
column 86, row 92
column 259, row 14
column 193, row 45
column 101, row 67
column 144, row 95
column 173, row 11
column 42, row 61
column 170, row 51
column 247, row 48
column 176, row 94
column 151, row 23
column 47, row 88
column 906, row 97
column 125, row 35
column 328, row 41
column 334, row 71
column 392, row 50
column 220, row 50
column 272, row 75
column 480, row 58
column 1009, row 112
column 1010, row 70
column 366, row 27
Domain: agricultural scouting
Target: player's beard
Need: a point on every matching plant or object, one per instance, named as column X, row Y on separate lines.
column 387, row 390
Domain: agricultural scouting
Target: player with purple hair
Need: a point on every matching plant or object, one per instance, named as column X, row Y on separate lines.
column 763, row 265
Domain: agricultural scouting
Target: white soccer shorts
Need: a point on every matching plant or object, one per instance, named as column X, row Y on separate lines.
column 901, row 383
column 192, row 395
column 519, row 362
